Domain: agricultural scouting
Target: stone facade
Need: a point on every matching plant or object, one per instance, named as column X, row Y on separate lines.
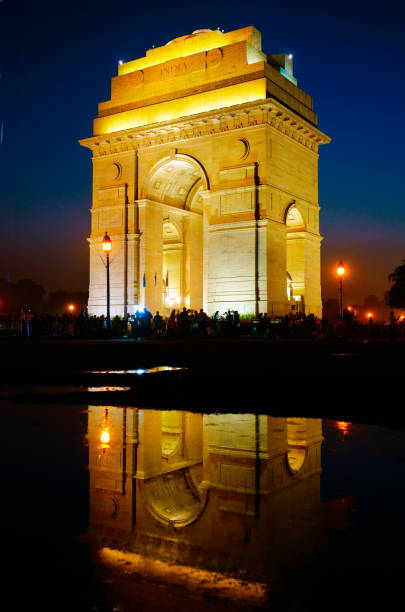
column 205, row 177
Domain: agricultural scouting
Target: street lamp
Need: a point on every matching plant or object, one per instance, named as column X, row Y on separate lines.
column 107, row 251
column 71, row 307
column 341, row 271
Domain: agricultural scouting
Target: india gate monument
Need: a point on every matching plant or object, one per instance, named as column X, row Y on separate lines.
column 205, row 176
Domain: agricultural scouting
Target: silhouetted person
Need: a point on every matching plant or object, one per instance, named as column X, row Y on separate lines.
column 183, row 321
column 393, row 329
column 236, row 323
column 158, row 323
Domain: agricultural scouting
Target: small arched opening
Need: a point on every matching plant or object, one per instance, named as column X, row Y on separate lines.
column 297, row 444
column 295, row 259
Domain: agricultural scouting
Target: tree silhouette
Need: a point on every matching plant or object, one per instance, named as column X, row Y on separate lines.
column 57, row 301
column 395, row 297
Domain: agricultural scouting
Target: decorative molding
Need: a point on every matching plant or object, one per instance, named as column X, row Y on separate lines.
column 239, row 117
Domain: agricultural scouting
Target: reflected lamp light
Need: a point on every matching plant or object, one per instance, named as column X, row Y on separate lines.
column 105, row 432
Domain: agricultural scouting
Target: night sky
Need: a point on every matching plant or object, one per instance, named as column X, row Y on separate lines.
column 56, row 62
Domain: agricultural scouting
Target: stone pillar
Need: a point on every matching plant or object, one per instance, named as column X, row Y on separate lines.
column 205, row 260
column 193, row 264
column 133, row 285
column 276, row 269
column 313, row 298
column 150, row 223
column 149, row 456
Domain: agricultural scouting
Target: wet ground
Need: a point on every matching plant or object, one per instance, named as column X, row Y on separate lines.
column 335, row 535
column 353, row 380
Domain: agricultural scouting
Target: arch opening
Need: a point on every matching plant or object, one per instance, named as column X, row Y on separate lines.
column 296, row 229
column 297, row 444
column 177, row 182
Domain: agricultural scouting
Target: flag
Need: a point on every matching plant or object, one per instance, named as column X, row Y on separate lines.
column 144, row 280
column 167, row 279
column 155, row 280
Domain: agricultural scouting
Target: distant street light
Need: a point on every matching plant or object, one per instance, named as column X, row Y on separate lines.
column 341, row 271
column 107, row 251
column 71, row 307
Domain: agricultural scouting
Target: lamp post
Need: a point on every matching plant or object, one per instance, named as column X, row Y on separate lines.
column 107, row 251
column 341, row 271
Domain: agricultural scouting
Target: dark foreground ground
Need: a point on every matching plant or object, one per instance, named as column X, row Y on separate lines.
column 45, row 402
column 353, row 380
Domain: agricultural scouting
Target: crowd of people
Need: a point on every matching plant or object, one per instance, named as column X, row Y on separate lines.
column 192, row 323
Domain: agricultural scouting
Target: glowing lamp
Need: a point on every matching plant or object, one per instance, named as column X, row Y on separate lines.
column 106, row 243
column 341, row 269
column 369, row 315
column 349, row 308
column 71, row 307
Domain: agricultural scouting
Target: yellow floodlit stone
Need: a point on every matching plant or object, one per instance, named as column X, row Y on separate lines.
column 205, row 176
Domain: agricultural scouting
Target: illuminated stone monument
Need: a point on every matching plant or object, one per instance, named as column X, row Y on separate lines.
column 205, row 176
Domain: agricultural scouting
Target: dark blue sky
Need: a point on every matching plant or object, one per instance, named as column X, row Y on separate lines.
column 56, row 62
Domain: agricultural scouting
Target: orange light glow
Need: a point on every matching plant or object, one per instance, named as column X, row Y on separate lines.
column 105, row 438
column 343, row 426
column 71, row 307
column 106, row 243
column 402, row 317
column 105, row 433
column 349, row 308
column 370, row 315
column 340, row 268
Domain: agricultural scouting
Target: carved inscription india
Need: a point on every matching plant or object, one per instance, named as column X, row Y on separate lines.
column 171, row 69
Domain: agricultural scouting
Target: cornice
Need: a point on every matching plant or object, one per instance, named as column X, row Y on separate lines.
column 263, row 112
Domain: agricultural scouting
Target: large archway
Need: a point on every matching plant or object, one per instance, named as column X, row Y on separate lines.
column 174, row 186
column 176, row 181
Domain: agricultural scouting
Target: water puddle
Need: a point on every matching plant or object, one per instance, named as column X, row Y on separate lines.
column 101, row 389
column 206, row 511
column 138, row 371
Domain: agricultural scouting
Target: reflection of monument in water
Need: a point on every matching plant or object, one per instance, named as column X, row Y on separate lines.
column 229, row 490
